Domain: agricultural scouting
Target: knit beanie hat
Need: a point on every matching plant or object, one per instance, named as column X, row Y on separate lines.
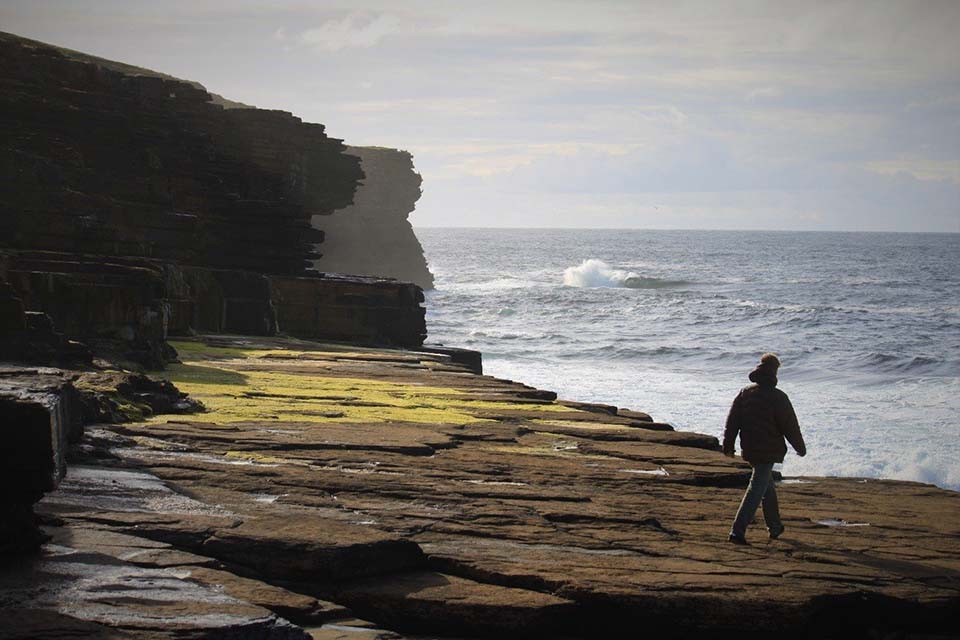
column 766, row 371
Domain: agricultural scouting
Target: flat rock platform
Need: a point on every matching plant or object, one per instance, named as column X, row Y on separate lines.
column 334, row 491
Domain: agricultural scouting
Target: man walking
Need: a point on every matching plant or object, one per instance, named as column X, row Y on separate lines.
column 763, row 416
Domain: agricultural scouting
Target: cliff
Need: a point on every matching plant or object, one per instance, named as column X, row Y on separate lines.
column 373, row 235
column 330, row 483
column 100, row 161
column 134, row 205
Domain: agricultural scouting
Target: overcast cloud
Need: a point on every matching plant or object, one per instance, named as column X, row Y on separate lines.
column 770, row 115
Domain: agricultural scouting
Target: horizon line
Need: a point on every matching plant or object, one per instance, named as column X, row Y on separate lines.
column 756, row 230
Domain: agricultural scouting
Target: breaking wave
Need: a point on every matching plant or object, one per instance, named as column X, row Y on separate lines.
column 597, row 273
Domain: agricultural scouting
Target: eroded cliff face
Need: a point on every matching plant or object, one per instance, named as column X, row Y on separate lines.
column 95, row 160
column 373, row 236
column 134, row 204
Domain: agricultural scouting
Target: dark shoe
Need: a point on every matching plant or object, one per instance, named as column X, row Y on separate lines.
column 740, row 540
column 775, row 533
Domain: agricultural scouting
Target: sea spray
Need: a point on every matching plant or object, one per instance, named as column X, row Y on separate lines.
column 597, row 273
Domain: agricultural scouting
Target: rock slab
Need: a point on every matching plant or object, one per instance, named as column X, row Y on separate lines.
column 428, row 499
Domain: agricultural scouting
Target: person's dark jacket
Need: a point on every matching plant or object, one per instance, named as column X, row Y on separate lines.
column 763, row 416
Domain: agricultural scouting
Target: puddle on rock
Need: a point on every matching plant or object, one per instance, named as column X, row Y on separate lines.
column 837, row 522
column 497, row 483
column 362, row 469
column 119, row 490
column 147, row 455
column 650, row 472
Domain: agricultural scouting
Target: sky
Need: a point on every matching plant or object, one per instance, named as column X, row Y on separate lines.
column 602, row 114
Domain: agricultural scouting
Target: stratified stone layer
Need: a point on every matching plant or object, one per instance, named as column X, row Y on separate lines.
column 130, row 305
column 350, row 309
column 98, row 160
column 373, row 236
column 134, row 205
column 429, row 499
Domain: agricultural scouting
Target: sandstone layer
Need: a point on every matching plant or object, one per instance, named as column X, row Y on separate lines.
column 328, row 483
column 98, row 161
column 134, row 205
column 373, row 236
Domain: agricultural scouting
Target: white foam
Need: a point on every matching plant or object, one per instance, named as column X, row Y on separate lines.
column 596, row 273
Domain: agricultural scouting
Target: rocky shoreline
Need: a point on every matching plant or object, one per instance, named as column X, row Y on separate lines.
column 230, row 441
column 331, row 490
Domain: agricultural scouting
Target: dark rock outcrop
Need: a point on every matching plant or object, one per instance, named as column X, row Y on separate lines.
column 350, row 309
column 373, row 235
column 134, row 205
column 38, row 412
column 30, row 336
column 113, row 304
column 103, row 162
column 42, row 411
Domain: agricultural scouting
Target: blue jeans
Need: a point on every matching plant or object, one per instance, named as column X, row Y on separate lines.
column 759, row 490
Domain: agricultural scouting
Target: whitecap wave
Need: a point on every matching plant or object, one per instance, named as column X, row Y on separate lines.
column 597, row 273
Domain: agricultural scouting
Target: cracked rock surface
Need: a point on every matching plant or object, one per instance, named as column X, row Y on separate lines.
column 336, row 491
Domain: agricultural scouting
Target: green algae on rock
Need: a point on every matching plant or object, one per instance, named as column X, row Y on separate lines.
column 240, row 384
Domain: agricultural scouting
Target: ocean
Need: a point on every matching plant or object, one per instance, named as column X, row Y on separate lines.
column 867, row 326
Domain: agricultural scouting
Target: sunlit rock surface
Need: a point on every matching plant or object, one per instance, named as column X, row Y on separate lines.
column 399, row 488
column 373, row 236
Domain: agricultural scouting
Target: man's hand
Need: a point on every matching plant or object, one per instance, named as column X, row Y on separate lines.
column 802, row 452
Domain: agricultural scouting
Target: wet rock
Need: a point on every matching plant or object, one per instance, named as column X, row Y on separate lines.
column 634, row 415
column 594, row 407
column 472, row 360
column 85, row 591
column 301, row 609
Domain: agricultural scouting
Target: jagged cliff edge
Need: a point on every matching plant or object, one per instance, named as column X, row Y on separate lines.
column 134, row 205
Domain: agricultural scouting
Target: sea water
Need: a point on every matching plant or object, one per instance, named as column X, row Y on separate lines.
column 867, row 326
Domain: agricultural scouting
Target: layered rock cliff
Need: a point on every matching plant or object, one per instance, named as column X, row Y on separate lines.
column 373, row 236
column 99, row 161
column 133, row 205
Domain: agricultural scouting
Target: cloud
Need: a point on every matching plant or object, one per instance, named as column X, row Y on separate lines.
column 356, row 30
column 763, row 93
column 725, row 114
